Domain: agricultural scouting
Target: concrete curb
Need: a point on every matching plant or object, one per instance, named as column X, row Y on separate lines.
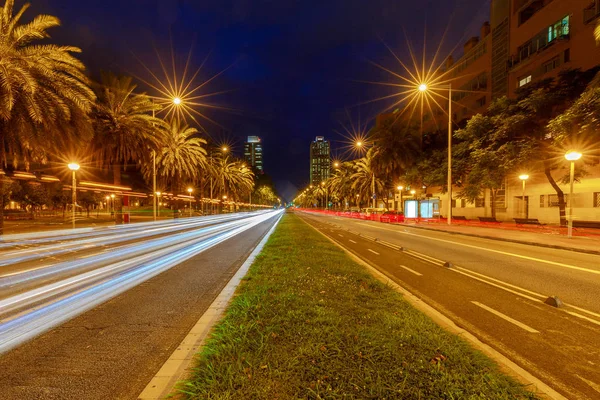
column 176, row 367
column 551, row 246
column 446, row 323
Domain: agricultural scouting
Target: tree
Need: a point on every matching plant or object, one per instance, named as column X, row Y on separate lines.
column 340, row 183
column 364, row 169
column 233, row 178
column 493, row 146
column 180, row 156
column 45, row 93
column 124, row 128
column 395, row 151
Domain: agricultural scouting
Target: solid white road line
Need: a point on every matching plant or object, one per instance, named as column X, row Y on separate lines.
column 410, row 270
column 592, row 271
column 373, row 251
column 498, row 286
column 506, row 317
column 593, row 321
column 350, row 240
column 340, row 235
column 468, row 271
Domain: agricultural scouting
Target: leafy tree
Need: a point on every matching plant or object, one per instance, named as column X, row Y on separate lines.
column 493, row 146
column 45, row 93
column 124, row 128
column 340, row 183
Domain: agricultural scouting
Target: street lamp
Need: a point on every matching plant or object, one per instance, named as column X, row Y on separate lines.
column 326, row 196
column 74, row 167
column 413, row 192
column 359, row 144
column 401, row 206
column 424, row 88
column 572, row 156
column 177, row 101
column 190, row 190
column 524, row 177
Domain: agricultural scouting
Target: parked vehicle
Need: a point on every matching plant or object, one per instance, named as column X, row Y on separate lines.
column 392, row 217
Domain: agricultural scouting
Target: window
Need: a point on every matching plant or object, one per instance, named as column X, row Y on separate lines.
column 558, row 29
column 597, row 199
column 567, row 55
column 524, row 81
column 542, row 201
column 501, row 197
column 480, row 202
column 481, row 102
column 553, row 200
column 453, row 203
column 551, row 64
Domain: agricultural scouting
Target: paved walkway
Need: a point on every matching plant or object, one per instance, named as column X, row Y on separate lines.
column 583, row 240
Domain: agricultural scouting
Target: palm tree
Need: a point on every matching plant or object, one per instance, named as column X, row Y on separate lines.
column 396, row 149
column 340, row 183
column 45, row 93
column 233, row 177
column 364, row 170
column 180, row 156
column 124, row 128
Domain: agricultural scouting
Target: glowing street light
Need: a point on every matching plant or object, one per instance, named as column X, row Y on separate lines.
column 177, row 101
column 74, row 167
column 524, row 177
column 572, row 156
column 423, row 87
column 190, row 190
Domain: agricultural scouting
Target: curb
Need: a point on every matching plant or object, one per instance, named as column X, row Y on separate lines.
column 176, row 367
column 551, row 246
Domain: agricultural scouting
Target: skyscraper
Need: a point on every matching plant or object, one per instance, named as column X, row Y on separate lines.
column 320, row 161
column 253, row 152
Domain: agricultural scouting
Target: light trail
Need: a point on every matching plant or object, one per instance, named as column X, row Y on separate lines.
column 96, row 279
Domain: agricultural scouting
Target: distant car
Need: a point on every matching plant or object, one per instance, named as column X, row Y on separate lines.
column 392, row 216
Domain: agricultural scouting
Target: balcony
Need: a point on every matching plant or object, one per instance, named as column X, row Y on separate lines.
column 591, row 12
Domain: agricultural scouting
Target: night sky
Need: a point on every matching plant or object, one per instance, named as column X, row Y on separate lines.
column 294, row 64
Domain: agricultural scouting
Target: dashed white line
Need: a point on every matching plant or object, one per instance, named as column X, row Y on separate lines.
column 506, row 317
column 350, row 240
column 340, row 235
column 373, row 251
column 411, row 270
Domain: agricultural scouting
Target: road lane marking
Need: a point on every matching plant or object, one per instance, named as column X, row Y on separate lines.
column 584, row 310
column 597, row 272
column 468, row 271
column 352, row 241
column 593, row 321
column 496, row 285
column 373, row 251
column 424, row 257
column 340, row 235
column 411, row 270
column 506, row 317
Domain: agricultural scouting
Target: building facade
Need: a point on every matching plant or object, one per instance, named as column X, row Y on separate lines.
column 253, row 152
column 320, row 160
column 527, row 41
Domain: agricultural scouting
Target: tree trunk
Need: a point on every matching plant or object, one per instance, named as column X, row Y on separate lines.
column 493, row 202
column 559, row 193
column 118, row 201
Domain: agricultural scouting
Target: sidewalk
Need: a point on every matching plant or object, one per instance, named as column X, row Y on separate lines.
column 583, row 240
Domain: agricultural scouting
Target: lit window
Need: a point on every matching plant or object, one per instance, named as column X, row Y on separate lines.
column 524, row 81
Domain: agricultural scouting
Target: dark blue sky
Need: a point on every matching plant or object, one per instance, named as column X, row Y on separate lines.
column 295, row 63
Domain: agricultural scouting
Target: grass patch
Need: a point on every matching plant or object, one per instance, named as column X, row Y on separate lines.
column 309, row 322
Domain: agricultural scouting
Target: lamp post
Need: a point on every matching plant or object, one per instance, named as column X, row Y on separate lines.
column 190, row 190
column 107, row 204
column 400, row 205
column 326, row 196
column 572, row 156
column 74, row 167
column 423, row 88
column 157, row 197
column 523, row 178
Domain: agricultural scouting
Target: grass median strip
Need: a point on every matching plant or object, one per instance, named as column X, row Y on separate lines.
column 309, row 322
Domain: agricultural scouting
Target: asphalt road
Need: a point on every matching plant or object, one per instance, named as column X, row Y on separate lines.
column 130, row 295
column 496, row 290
